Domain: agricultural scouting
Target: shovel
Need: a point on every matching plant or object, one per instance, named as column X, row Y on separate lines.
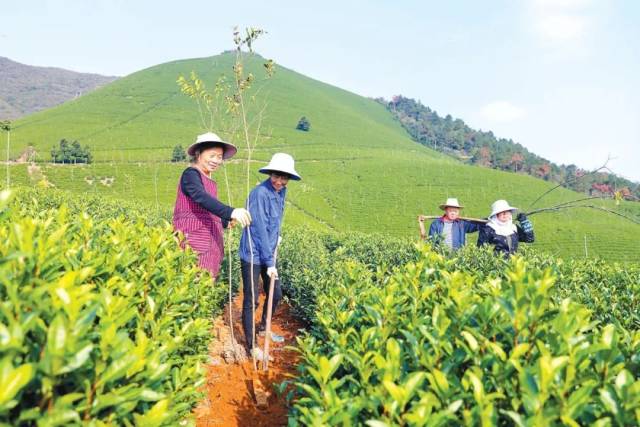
column 259, row 391
column 267, row 335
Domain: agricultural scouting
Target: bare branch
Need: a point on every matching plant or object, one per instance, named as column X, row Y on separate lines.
column 575, row 179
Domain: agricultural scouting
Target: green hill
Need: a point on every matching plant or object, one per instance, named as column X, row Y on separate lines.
column 361, row 170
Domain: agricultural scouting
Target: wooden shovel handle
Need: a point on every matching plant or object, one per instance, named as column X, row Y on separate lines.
column 267, row 335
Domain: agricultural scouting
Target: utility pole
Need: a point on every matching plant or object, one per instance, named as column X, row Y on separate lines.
column 6, row 126
column 586, row 252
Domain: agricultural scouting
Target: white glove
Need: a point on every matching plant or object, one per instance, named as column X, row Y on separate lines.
column 271, row 271
column 242, row 216
column 279, row 240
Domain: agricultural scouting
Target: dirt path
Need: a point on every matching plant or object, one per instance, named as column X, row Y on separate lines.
column 229, row 397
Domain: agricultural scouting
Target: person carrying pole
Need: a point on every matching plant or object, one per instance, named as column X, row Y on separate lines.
column 198, row 213
column 259, row 242
column 449, row 229
column 502, row 233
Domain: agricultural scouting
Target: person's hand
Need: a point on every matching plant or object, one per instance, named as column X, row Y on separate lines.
column 272, row 271
column 421, row 218
column 527, row 227
column 242, row 216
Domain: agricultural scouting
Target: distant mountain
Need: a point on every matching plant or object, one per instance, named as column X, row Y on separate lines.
column 25, row 89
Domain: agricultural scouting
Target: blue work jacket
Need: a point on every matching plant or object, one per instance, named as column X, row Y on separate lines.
column 458, row 231
column 266, row 207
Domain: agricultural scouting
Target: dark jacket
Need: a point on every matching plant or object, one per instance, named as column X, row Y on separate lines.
column 192, row 186
column 458, row 231
column 506, row 245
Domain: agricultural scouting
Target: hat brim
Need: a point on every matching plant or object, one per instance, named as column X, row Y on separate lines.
column 443, row 207
column 511, row 209
column 292, row 174
column 228, row 150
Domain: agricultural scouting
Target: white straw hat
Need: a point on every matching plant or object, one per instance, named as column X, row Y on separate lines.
column 451, row 202
column 229, row 150
column 282, row 162
column 501, row 206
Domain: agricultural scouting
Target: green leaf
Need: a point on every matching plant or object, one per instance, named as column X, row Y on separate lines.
column 157, row 415
column 608, row 333
column 149, row 395
column 397, row 393
column 471, row 340
column 440, row 380
column 78, row 359
column 57, row 336
column 610, row 401
column 517, row 418
column 13, row 380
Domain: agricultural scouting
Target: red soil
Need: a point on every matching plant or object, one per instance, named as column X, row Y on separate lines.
column 229, row 393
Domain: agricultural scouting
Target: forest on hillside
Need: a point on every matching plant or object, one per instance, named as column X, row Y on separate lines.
column 454, row 137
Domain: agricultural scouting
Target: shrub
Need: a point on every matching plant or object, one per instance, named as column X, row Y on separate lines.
column 303, row 124
column 70, row 152
column 309, row 261
column 179, row 154
column 434, row 346
column 102, row 322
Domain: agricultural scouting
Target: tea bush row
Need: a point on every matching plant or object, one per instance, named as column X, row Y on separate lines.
column 104, row 321
column 429, row 345
column 308, row 263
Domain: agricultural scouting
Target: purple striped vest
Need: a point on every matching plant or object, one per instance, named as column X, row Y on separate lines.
column 202, row 229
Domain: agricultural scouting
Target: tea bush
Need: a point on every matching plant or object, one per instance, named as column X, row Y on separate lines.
column 611, row 290
column 429, row 345
column 103, row 319
column 309, row 261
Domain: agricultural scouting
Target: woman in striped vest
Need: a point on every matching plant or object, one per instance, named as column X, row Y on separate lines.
column 198, row 213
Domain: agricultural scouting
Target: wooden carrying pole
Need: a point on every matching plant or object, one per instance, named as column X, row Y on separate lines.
column 423, row 230
column 479, row 220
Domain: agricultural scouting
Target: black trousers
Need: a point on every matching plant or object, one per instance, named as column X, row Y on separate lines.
column 259, row 271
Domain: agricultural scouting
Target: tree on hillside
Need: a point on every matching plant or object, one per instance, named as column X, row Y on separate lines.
column 452, row 136
column 543, row 171
column 70, row 152
column 483, row 156
column 303, row 124
column 516, row 159
column 178, row 155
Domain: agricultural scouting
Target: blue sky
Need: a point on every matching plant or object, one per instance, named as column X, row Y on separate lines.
column 562, row 77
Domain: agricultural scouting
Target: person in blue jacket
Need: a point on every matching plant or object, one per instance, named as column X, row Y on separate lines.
column 449, row 229
column 259, row 242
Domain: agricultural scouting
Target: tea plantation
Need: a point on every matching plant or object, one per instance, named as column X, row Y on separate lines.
column 361, row 170
column 469, row 339
column 105, row 321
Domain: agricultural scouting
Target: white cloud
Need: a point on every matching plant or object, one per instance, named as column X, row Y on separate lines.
column 561, row 4
column 501, row 112
column 561, row 21
column 562, row 27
